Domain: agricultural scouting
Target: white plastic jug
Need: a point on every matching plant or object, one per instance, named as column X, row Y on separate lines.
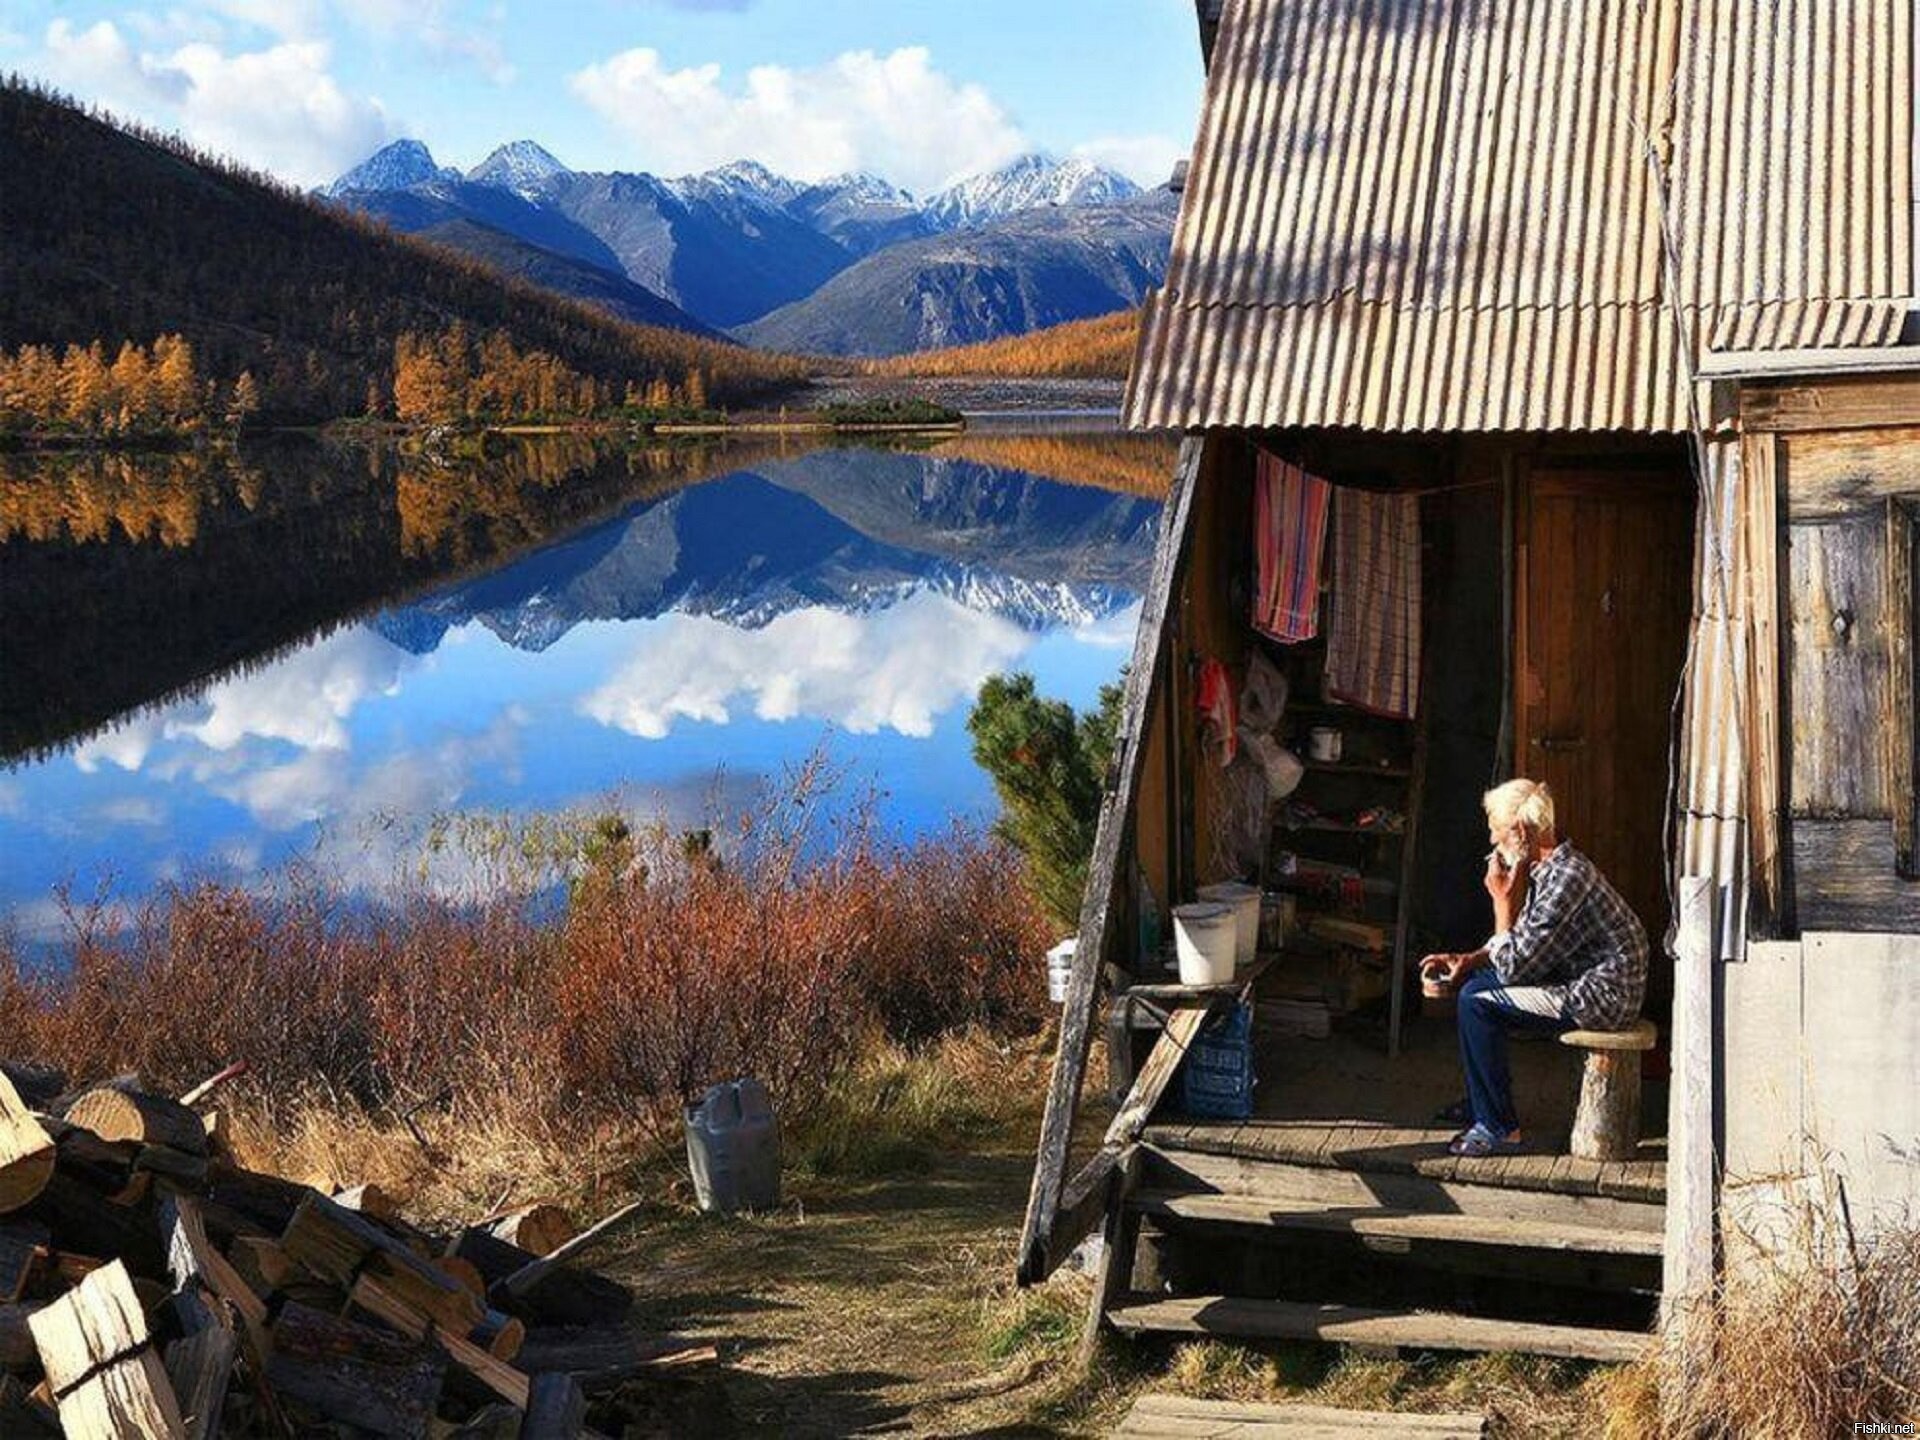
column 1244, row 901
column 1204, row 938
column 1060, row 970
column 733, row 1149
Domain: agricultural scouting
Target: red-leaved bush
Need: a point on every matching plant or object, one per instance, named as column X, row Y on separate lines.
column 674, row 962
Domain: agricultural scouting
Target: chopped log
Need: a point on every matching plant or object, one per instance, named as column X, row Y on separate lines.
column 40, row 1086
column 557, row 1295
column 26, row 1151
column 214, row 1122
column 116, row 1114
column 337, row 1244
column 390, row 1307
column 355, row 1374
column 22, row 1417
column 188, row 1171
column 536, row 1287
column 201, row 1368
column 260, row 1263
column 212, row 1083
column 267, row 1199
column 540, row 1228
column 368, row 1199
column 21, row 1243
column 84, row 1222
column 107, row 1379
column 64, row 1270
column 501, row 1336
column 556, row 1409
column 18, row 1354
column 465, row 1273
column 192, row 1260
column 604, row 1358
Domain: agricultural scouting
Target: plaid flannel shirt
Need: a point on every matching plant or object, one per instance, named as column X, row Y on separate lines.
column 1576, row 937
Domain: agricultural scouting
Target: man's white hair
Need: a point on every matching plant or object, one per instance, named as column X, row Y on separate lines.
column 1526, row 802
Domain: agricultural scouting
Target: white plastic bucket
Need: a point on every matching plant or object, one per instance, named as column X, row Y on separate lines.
column 1060, row 970
column 1244, row 901
column 1204, row 937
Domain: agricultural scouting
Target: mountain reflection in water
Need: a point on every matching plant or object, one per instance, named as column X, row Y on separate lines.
column 215, row 663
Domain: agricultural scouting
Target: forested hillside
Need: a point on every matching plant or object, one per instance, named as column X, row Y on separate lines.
column 130, row 236
column 1097, row 349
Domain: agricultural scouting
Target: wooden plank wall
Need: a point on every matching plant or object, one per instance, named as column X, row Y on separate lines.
column 1853, row 507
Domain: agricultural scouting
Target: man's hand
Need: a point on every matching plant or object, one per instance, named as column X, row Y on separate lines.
column 1447, row 968
column 1508, row 889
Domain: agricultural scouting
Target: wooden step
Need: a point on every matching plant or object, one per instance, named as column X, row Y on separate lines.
column 1354, row 1325
column 1395, row 1225
column 1165, row 1417
column 1278, row 1181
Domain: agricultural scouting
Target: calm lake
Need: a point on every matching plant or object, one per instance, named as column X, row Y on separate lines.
column 317, row 651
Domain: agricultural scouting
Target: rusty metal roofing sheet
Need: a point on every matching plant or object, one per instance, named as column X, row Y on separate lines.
column 1466, row 214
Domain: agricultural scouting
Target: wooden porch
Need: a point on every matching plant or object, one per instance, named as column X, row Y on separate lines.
column 1340, row 1187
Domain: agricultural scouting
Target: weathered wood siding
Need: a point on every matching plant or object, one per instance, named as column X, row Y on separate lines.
column 1821, row 1049
column 1853, row 507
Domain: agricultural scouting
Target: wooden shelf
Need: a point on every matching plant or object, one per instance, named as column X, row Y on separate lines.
column 1342, row 827
column 1358, row 767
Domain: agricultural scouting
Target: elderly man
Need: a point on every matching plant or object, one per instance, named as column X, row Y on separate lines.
column 1566, row 953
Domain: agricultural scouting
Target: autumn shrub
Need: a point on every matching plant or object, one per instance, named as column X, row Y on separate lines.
column 774, row 947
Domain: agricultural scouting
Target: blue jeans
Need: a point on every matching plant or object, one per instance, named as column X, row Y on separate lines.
column 1486, row 1013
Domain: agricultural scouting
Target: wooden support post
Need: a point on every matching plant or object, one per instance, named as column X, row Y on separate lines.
column 1687, row 1280
column 1145, row 678
column 1119, row 1235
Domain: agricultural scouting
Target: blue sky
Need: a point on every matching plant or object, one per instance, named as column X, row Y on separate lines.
column 920, row 91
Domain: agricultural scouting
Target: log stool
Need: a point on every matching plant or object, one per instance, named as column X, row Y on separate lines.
column 1607, row 1124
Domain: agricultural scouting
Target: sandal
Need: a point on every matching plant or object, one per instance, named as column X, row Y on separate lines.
column 1478, row 1142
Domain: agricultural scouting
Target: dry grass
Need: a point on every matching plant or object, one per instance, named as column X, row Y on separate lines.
column 1812, row 1330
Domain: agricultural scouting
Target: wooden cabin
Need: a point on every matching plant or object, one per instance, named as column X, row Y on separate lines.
column 1597, row 325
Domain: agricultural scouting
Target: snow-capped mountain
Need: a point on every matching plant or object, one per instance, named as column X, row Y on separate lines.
column 399, row 166
column 522, row 166
column 1029, row 182
column 735, row 244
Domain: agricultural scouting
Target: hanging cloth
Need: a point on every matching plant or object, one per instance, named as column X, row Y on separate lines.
column 1373, row 624
column 1219, row 716
column 1290, row 531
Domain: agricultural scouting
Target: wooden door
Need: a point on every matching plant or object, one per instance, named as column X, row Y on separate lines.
column 1604, row 599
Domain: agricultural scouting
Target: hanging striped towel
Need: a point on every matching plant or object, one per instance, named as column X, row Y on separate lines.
column 1373, row 624
column 1290, row 531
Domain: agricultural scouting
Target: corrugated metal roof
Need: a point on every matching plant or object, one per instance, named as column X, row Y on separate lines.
column 1447, row 214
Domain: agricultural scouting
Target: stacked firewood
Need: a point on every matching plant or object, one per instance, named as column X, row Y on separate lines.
column 151, row 1287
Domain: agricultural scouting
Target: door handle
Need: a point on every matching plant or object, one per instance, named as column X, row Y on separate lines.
column 1554, row 743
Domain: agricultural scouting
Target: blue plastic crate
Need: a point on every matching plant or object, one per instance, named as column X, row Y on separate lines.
column 1216, row 1078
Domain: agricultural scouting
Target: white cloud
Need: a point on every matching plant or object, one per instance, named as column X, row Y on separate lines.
column 304, row 699
column 1145, row 159
column 895, row 114
column 1112, row 632
column 278, row 108
column 897, row 669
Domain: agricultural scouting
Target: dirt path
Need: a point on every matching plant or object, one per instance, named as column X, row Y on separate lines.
column 861, row 1307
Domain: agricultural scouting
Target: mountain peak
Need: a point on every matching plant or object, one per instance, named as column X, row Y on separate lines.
column 1028, row 182
column 521, row 166
column 748, row 179
column 395, row 166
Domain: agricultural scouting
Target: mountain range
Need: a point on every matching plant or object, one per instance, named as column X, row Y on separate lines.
column 852, row 530
column 849, row 265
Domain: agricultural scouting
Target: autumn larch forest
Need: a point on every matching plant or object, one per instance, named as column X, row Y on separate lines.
column 235, row 297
